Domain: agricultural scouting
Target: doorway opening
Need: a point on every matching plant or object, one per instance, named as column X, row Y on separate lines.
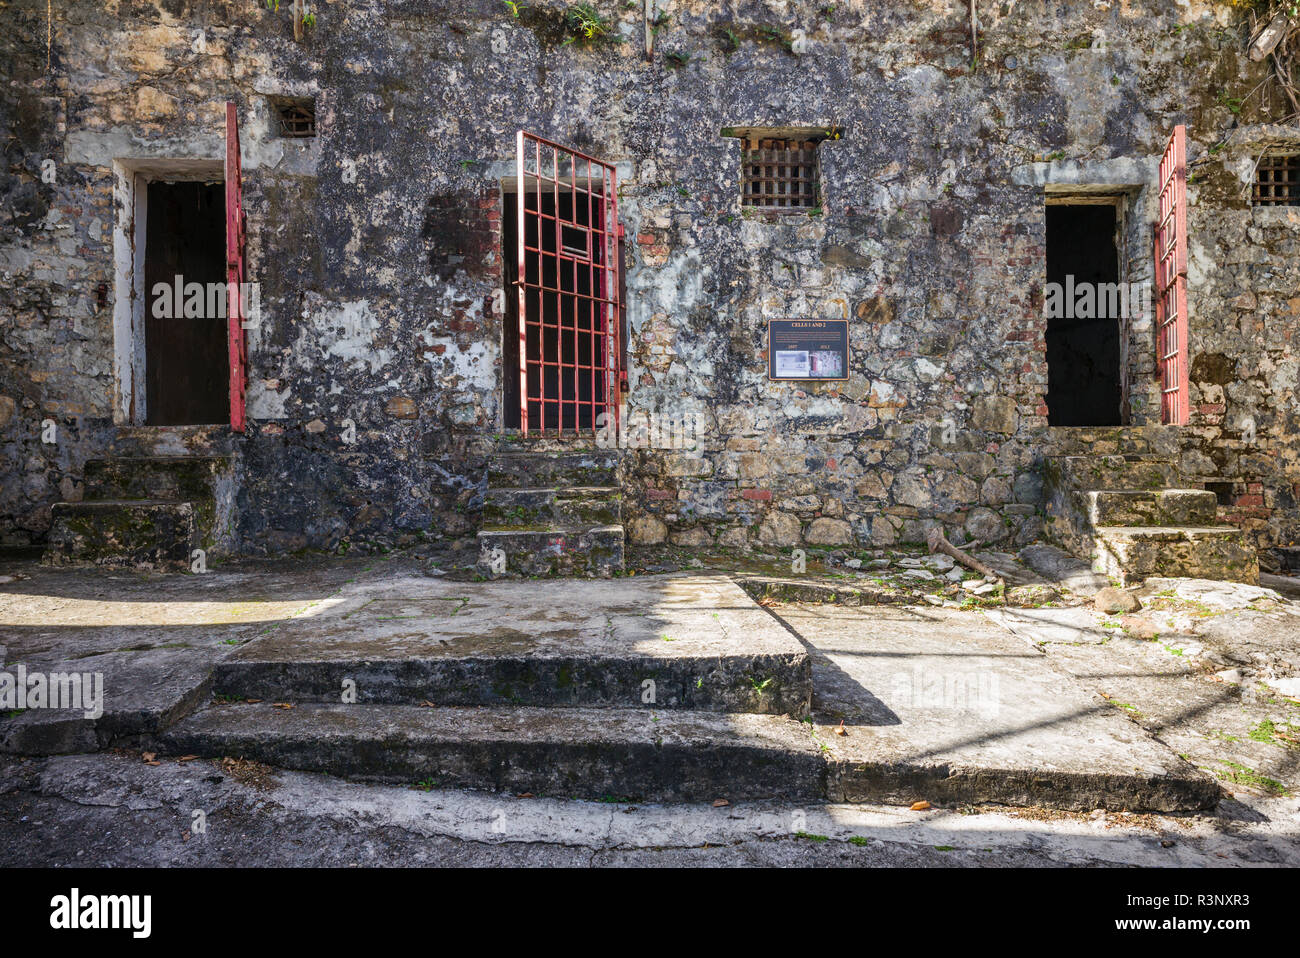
column 1086, row 307
column 186, row 360
column 565, row 283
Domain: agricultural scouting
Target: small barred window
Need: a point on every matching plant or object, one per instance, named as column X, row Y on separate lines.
column 297, row 118
column 779, row 173
column 1277, row 181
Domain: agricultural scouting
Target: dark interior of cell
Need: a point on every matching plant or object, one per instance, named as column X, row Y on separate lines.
column 565, row 293
column 187, row 368
column 1083, row 351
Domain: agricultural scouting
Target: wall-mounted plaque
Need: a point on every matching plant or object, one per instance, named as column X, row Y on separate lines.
column 808, row 349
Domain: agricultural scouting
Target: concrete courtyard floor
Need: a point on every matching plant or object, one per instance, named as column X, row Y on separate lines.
column 1203, row 677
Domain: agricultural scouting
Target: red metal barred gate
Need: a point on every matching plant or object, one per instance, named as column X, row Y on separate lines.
column 567, row 241
column 237, row 345
column 1171, row 281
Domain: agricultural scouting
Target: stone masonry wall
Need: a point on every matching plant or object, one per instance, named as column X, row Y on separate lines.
column 378, row 250
column 1244, row 309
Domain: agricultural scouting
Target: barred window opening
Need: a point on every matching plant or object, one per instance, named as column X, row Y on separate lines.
column 297, row 118
column 1277, row 181
column 780, row 173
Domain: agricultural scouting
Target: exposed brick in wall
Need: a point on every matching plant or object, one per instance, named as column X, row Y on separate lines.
column 463, row 232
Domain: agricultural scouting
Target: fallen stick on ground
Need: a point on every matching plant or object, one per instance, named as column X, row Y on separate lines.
column 939, row 543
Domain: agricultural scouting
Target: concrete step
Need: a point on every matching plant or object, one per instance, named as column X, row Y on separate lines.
column 170, row 478
column 685, row 756
column 1165, row 507
column 545, row 470
column 670, row 642
column 627, row 754
column 1123, row 473
column 127, row 534
column 551, row 550
column 1154, row 440
column 571, row 507
column 1133, row 553
column 146, row 687
column 455, row 650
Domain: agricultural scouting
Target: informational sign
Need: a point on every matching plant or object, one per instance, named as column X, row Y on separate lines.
column 808, row 349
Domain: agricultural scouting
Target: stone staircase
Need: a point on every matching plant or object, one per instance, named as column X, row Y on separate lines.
column 1127, row 510
column 658, row 688
column 552, row 512
column 630, row 690
column 144, row 513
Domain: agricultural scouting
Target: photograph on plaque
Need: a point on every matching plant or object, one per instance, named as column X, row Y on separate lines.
column 808, row 349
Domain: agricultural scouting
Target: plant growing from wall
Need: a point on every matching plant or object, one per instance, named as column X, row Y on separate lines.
column 778, row 36
column 302, row 19
column 1233, row 103
column 585, row 23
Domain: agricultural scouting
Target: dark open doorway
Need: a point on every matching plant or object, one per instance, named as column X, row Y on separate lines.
column 564, row 268
column 186, row 364
column 1084, row 316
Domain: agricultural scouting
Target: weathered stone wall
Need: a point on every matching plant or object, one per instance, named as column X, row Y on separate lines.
column 378, row 249
column 1244, row 309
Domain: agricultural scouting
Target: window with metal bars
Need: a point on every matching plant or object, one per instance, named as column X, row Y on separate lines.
column 780, row 172
column 297, row 117
column 1277, row 181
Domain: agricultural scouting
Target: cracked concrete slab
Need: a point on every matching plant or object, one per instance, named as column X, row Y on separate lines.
column 1062, row 569
column 153, row 640
column 1069, row 624
column 410, row 616
column 941, row 704
column 699, row 641
column 1244, row 735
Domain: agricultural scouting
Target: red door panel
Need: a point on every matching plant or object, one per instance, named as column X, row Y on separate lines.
column 1171, row 281
column 235, row 272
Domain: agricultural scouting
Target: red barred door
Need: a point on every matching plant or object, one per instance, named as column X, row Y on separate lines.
column 238, row 347
column 567, row 253
column 1171, row 281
